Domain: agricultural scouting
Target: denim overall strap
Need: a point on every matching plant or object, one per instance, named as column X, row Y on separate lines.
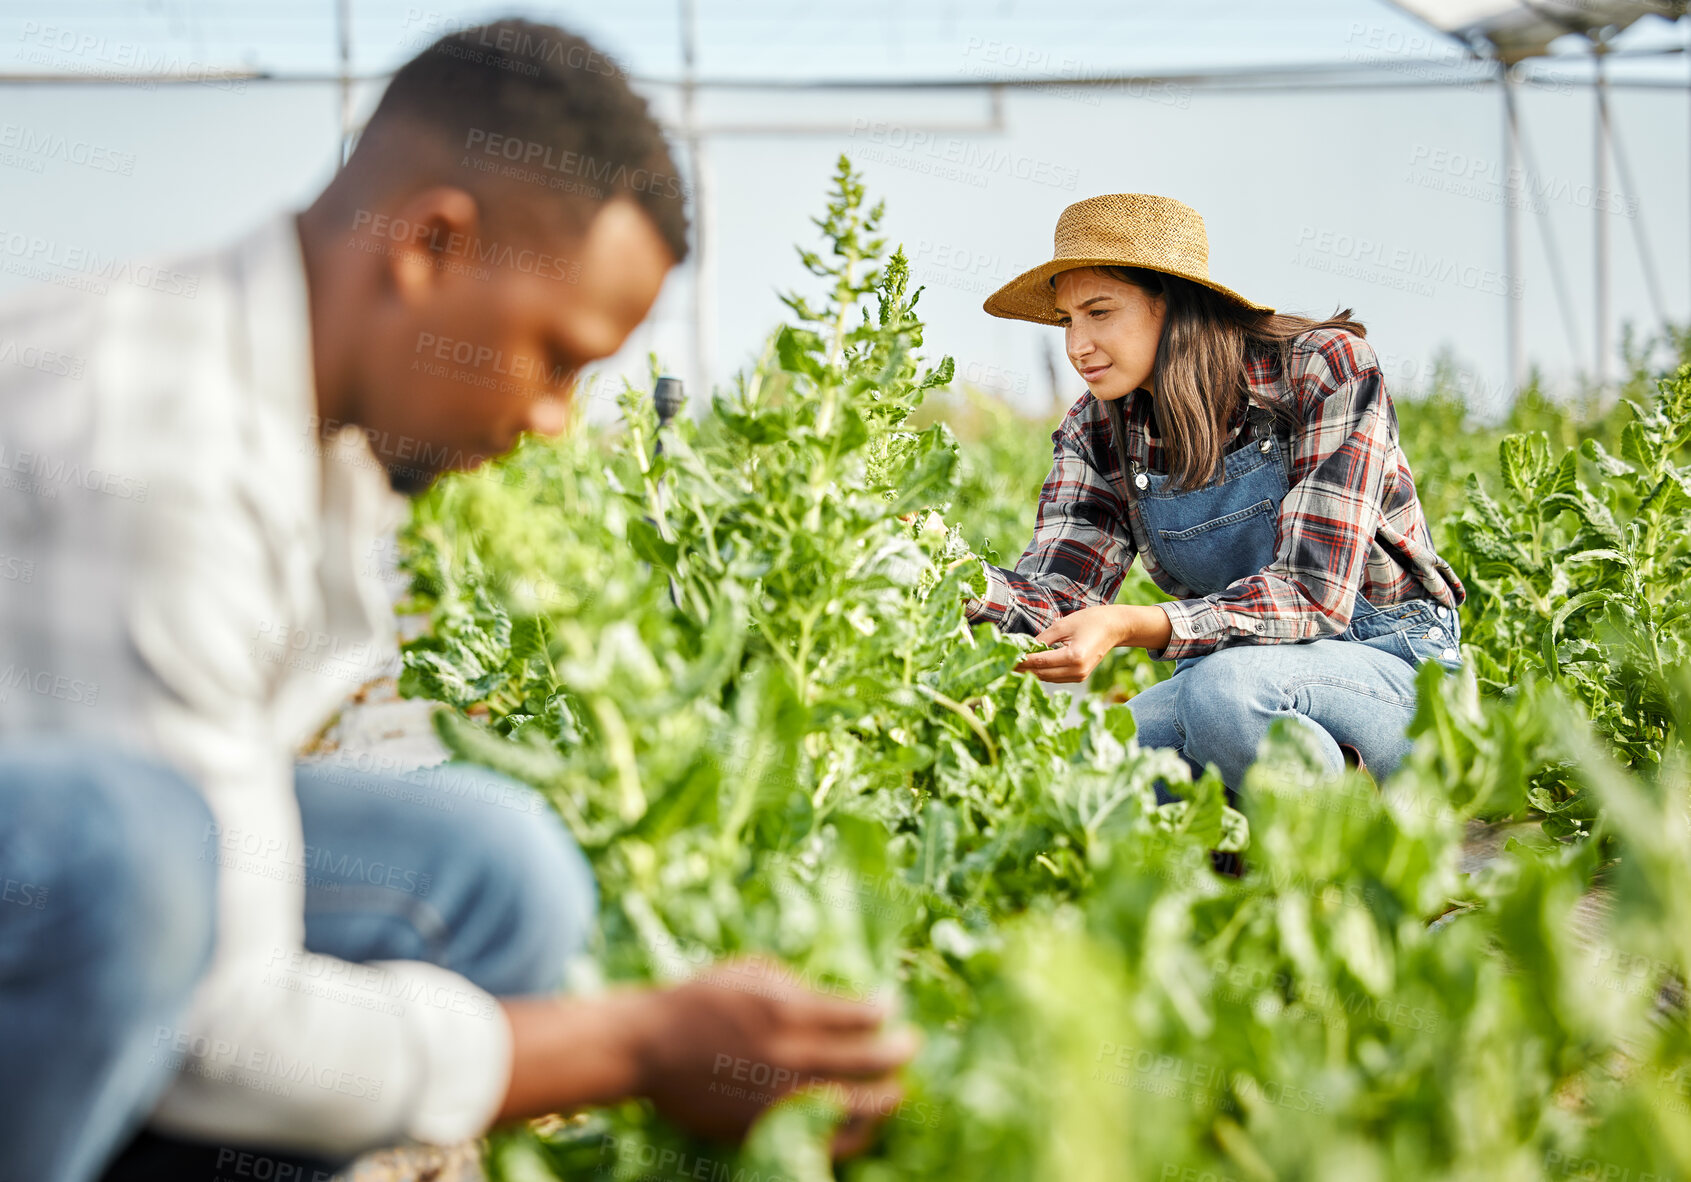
column 1210, row 537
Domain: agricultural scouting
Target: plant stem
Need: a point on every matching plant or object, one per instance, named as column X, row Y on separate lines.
column 968, row 717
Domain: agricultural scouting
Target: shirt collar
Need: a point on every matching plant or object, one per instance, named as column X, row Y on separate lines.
column 327, row 496
column 273, row 311
column 276, row 322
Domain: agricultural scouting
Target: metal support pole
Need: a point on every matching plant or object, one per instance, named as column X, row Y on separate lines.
column 704, row 277
column 343, row 35
column 1600, row 184
column 1512, row 195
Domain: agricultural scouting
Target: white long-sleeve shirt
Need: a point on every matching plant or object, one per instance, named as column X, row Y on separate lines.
column 186, row 569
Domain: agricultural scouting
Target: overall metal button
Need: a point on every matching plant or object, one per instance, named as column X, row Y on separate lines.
column 1141, row 480
column 1265, row 445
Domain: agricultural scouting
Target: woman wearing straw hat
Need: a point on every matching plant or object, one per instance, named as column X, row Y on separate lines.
column 1249, row 459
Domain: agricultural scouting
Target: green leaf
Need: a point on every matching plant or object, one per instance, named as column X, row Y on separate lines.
column 529, row 759
column 1577, row 604
column 1523, row 460
column 798, row 351
column 650, row 545
column 1562, row 479
column 927, row 470
column 790, row 1142
column 970, row 668
column 1607, row 464
column 1638, row 449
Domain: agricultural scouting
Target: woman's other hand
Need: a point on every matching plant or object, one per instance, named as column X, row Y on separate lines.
column 1081, row 639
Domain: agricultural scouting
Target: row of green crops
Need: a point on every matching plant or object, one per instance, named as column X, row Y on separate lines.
column 740, row 670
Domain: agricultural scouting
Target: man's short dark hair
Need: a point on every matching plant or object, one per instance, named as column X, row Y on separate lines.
column 531, row 102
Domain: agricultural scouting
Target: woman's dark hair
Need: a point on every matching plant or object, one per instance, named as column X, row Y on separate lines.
column 1199, row 372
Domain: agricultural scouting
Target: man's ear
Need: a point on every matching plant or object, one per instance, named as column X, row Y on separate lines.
column 433, row 225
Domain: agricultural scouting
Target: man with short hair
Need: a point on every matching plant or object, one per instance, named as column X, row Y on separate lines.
column 288, row 966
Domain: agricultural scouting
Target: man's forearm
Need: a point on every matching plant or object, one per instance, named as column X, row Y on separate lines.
column 668, row 1046
column 598, row 1038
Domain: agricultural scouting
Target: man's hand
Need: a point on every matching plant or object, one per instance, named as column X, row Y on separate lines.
column 711, row 1054
column 727, row 1046
column 1081, row 639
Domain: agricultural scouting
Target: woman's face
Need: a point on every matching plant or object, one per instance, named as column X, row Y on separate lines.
column 1110, row 331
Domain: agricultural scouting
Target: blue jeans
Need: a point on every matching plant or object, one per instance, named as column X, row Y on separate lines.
column 107, row 921
column 1357, row 689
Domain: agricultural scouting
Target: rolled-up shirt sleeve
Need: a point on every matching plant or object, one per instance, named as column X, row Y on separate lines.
column 1341, row 472
column 1081, row 548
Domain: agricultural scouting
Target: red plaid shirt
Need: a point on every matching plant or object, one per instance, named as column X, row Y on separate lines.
column 1351, row 520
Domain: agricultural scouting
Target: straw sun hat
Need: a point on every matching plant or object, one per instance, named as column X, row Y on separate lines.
column 1117, row 229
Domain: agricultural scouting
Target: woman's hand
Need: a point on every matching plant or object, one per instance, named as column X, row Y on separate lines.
column 1081, row 639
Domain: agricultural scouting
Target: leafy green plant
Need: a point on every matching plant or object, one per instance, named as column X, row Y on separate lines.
column 740, row 670
column 1577, row 569
column 771, row 690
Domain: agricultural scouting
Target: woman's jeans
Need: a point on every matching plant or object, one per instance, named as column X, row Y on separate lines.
column 1358, row 690
column 107, row 894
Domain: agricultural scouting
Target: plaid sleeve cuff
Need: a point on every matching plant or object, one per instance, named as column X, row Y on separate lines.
column 994, row 603
column 1012, row 601
column 1197, row 627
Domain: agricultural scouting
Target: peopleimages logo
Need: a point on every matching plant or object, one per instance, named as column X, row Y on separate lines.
column 377, row 229
column 1370, row 260
column 43, row 146
column 604, row 174
column 488, row 360
column 109, row 56
column 1065, row 77
column 16, row 570
column 1486, row 179
column 956, row 157
column 48, row 684
column 47, row 361
column 497, row 47
column 44, row 475
column 41, row 258
column 263, row 1062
